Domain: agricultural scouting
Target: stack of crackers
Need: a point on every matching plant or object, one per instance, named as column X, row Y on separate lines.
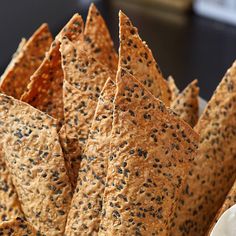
column 99, row 143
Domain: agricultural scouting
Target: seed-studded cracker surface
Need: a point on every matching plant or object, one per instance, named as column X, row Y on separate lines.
column 84, row 80
column 137, row 58
column 214, row 169
column 17, row 75
column 35, row 161
column 151, row 150
column 97, row 40
column 9, row 203
column 186, row 104
column 18, row 227
column 85, row 213
column 45, row 87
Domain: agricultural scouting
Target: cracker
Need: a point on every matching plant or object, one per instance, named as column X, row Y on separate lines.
column 35, row 161
column 186, row 104
column 214, row 170
column 45, row 88
column 24, row 64
column 18, row 227
column 229, row 202
column 85, row 213
column 173, row 88
column 84, row 80
column 9, row 203
column 98, row 41
column 151, row 150
column 137, row 58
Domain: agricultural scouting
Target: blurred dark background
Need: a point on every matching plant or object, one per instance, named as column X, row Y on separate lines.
column 186, row 45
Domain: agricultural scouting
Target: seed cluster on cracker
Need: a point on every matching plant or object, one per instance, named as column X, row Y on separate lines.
column 95, row 142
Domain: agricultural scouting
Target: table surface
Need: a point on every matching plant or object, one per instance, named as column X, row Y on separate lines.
column 186, row 46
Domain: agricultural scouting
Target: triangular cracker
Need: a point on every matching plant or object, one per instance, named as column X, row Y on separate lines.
column 35, row 161
column 98, row 41
column 229, row 202
column 16, row 77
column 73, row 30
column 85, row 213
column 84, row 80
column 173, row 88
column 45, row 88
column 9, row 203
column 186, row 104
column 214, row 169
column 137, row 58
column 151, row 150
column 18, row 227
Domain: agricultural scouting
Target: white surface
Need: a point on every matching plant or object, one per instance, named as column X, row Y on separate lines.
column 226, row 225
column 224, row 10
column 202, row 105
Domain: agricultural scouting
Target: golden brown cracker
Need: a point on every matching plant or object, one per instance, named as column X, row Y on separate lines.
column 173, row 88
column 85, row 213
column 97, row 46
column 186, row 104
column 9, row 203
column 45, row 88
column 35, row 161
column 16, row 77
column 214, row 169
column 137, row 58
column 98, row 41
column 18, row 227
column 151, row 152
column 84, row 80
